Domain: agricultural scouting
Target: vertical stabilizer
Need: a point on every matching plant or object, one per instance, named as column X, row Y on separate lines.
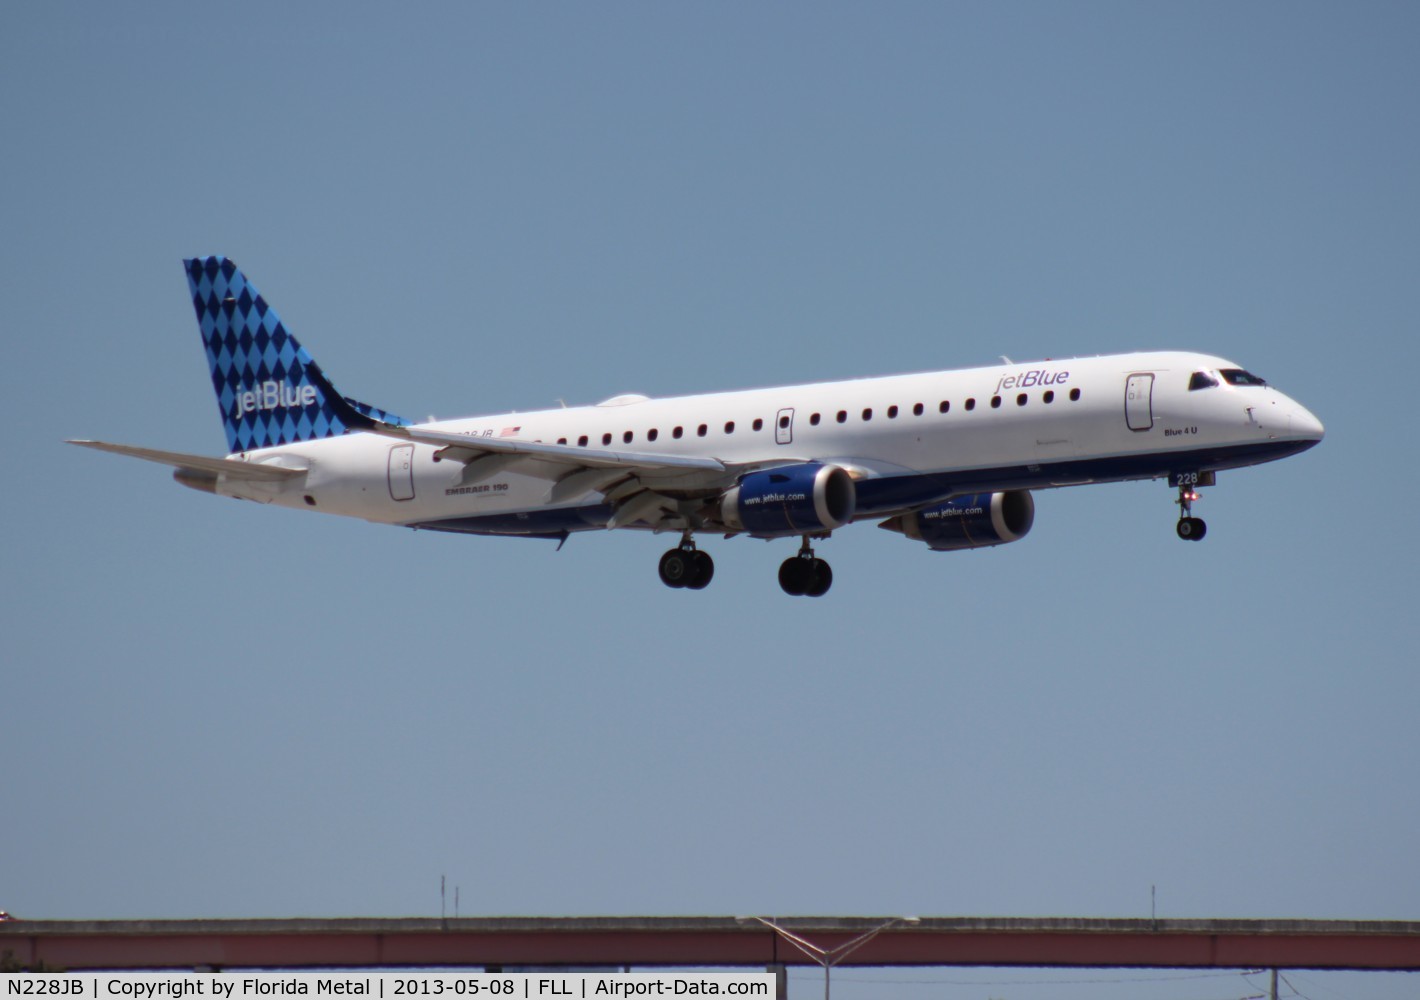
column 268, row 388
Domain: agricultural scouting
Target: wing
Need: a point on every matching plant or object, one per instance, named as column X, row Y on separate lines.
column 643, row 487
column 462, row 447
column 662, row 491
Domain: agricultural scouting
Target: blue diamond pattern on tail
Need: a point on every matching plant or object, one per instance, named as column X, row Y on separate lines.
column 269, row 390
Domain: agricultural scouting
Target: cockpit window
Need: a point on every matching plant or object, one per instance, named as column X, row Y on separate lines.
column 1236, row 376
column 1201, row 380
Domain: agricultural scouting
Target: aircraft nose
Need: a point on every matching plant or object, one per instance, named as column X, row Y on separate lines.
column 1304, row 424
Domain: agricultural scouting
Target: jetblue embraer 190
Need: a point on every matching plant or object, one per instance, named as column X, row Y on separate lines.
column 944, row 458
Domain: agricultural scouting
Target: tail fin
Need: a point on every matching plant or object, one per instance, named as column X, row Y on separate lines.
column 268, row 388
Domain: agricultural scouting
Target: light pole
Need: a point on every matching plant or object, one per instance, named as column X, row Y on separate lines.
column 829, row 957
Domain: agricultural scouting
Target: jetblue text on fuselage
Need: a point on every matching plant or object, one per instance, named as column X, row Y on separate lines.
column 274, row 396
column 1036, row 376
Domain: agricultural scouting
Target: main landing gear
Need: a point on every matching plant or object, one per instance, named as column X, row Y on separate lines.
column 805, row 575
column 686, row 566
column 1190, row 528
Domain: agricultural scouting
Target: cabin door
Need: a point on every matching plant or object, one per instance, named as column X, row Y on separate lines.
column 402, row 472
column 1139, row 401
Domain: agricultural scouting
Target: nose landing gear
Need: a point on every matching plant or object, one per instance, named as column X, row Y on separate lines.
column 1190, row 528
column 805, row 575
column 686, row 566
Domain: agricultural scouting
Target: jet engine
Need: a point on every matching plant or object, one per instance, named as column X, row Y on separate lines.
column 969, row 522
column 792, row 500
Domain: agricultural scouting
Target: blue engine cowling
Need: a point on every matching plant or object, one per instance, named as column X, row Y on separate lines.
column 969, row 522
column 792, row 500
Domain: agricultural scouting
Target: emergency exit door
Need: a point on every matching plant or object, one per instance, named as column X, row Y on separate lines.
column 784, row 427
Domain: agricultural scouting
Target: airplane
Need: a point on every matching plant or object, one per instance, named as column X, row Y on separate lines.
column 945, row 458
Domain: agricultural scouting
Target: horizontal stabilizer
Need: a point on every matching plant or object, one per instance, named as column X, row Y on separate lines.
column 231, row 468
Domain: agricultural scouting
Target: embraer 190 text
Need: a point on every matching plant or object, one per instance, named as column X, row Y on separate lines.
column 945, row 458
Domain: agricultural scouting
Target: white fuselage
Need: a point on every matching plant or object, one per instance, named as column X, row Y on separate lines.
column 907, row 440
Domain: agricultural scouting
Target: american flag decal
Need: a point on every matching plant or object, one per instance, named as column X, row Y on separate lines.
column 508, row 431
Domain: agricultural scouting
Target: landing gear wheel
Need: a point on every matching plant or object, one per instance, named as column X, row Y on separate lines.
column 686, row 566
column 805, row 575
column 703, row 570
column 1192, row 529
column 678, row 568
column 820, row 579
column 794, row 574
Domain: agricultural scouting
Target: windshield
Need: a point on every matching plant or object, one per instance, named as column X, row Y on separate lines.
column 1201, row 380
column 1236, row 376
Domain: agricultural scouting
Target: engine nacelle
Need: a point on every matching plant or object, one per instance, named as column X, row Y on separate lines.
column 793, row 500
column 970, row 522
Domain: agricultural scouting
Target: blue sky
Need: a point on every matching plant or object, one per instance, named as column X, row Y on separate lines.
column 216, row 709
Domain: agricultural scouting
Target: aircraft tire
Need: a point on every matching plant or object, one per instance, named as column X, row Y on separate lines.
column 1192, row 529
column 795, row 576
column 820, row 579
column 677, row 569
column 702, row 570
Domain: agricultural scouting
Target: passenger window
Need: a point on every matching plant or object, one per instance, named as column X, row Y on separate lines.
column 1049, row 396
column 758, row 424
column 626, row 438
column 652, row 434
column 784, row 421
column 970, row 402
column 995, row 402
column 677, row 432
column 945, row 405
column 892, row 412
column 561, row 440
column 1021, row 400
column 700, row 431
column 812, row 420
column 582, row 441
column 729, row 426
column 868, row 413
column 842, row 416
column 917, row 410
column 1074, row 395
column 606, row 439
